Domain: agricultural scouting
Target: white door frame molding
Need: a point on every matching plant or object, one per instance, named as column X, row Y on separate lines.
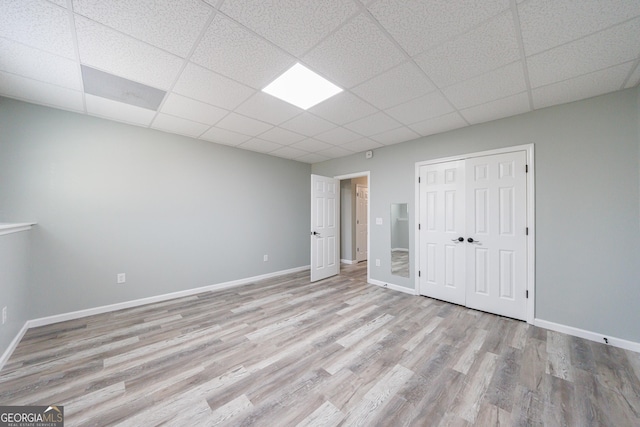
column 530, row 221
column 360, row 175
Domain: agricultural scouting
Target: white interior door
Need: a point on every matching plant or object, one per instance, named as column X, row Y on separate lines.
column 496, row 222
column 442, row 222
column 325, row 226
column 362, row 201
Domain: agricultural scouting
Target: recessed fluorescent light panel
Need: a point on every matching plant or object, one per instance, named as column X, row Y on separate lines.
column 301, row 87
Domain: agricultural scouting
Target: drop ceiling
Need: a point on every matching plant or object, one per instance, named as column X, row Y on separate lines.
column 409, row 68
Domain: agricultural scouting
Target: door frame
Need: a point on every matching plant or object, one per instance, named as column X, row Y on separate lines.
column 530, row 220
column 360, row 175
column 359, row 188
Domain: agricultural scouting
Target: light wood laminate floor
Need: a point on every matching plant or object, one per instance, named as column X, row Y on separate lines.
column 286, row 352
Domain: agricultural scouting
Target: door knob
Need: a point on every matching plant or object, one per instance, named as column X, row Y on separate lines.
column 459, row 239
column 315, row 233
column 470, row 240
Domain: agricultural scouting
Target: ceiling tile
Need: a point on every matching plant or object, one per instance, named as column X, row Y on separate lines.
column 505, row 107
column 204, row 85
column 311, row 145
column 354, row 53
column 178, row 125
column 582, row 87
column 281, row 136
column 259, row 145
column 395, row 136
column 592, row 53
column 440, row 124
column 393, row 87
column 362, row 144
column 343, row 108
column 373, row 124
column 498, row 84
column 307, row 124
column 119, row 111
column 233, row 51
column 30, row 90
column 635, row 78
column 187, row 108
column 419, row 25
column 62, row 3
column 167, row 24
column 312, row 158
column 108, row 50
column 546, row 24
column 288, row 152
column 268, row 108
column 335, row 152
column 338, row 136
column 489, row 46
column 223, row 136
column 296, row 25
column 49, row 27
column 36, row 64
column 242, row 124
column 425, row 107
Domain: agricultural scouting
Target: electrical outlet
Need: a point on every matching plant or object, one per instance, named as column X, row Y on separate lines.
column 265, row 258
column 377, row 263
column 4, row 315
column 121, row 278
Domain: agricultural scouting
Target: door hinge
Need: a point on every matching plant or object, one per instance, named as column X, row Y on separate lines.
column 526, row 231
column 418, row 180
column 526, row 168
column 419, row 273
column 527, row 293
column 418, row 226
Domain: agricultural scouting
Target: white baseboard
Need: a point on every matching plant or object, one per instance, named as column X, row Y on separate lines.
column 12, row 346
column 410, row 291
column 158, row 298
column 348, row 261
column 593, row 336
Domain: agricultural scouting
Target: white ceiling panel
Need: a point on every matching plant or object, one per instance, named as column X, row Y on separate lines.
column 488, row 87
column 178, row 125
column 289, row 152
column 373, row 124
column 281, row 136
column 307, row 124
column 505, row 107
column 197, row 111
column 419, row 25
column 419, row 109
column 39, row 24
column 546, row 24
column 592, row 53
column 62, row 3
column 338, row 136
column 393, row 87
column 586, row 86
column 167, row 24
column 487, row 47
column 343, row 108
column 204, row 85
column 38, row 92
column 362, row 144
column 223, row 136
column 268, row 108
column 335, row 152
column 395, row 136
column 37, row 64
column 118, row 111
column 311, row 145
column 634, row 79
column 312, row 158
column 259, row 145
column 354, row 53
column 106, row 49
column 231, row 50
column 242, row 124
column 296, row 25
column 439, row 124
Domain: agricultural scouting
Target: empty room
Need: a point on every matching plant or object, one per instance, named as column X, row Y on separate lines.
column 320, row 213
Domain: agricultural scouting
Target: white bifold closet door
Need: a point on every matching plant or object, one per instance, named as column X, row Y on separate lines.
column 473, row 243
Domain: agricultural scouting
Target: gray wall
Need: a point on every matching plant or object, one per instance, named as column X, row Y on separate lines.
column 587, row 204
column 14, row 261
column 171, row 212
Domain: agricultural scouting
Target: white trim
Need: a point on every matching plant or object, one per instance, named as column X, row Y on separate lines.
column 8, row 228
column 589, row 335
column 12, row 346
column 158, row 298
column 348, row 261
column 531, row 209
column 393, row 287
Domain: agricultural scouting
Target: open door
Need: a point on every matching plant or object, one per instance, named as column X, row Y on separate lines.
column 325, row 227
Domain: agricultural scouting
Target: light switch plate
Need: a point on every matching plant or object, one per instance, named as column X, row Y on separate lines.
column 378, row 221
